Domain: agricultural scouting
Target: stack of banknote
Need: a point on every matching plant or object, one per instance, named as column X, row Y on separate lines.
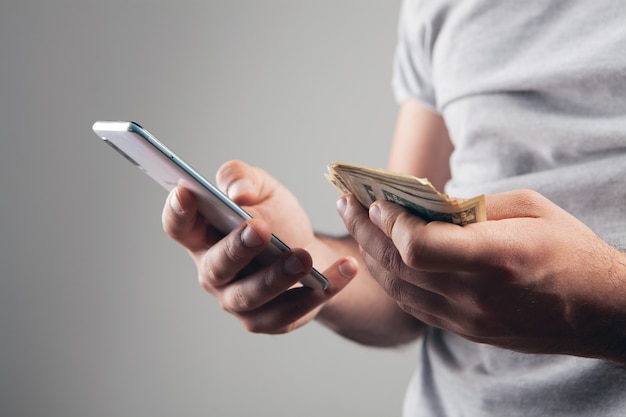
column 418, row 195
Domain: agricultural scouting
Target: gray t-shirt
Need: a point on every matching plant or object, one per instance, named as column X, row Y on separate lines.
column 534, row 96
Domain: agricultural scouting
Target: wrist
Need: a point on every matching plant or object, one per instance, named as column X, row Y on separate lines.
column 617, row 347
column 608, row 338
column 325, row 249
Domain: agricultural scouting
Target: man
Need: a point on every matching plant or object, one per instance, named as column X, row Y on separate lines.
column 524, row 314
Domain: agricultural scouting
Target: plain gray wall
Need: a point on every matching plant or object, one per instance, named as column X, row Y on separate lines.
column 100, row 313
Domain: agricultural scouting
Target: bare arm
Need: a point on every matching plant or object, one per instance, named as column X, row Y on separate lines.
column 421, row 145
column 363, row 312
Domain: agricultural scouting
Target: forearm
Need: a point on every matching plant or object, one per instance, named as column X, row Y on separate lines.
column 363, row 312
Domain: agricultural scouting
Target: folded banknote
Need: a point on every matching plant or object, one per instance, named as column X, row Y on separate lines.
column 417, row 195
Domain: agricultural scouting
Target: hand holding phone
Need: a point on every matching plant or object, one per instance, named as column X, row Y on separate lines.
column 151, row 156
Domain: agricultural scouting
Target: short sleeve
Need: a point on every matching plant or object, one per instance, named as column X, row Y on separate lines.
column 411, row 65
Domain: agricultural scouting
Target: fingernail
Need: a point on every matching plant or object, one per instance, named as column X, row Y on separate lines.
column 250, row 238
column 293, row 266
column 175, row 202
column 375, row 214
column 239, row 187
column 341, row 205
column 347, row 268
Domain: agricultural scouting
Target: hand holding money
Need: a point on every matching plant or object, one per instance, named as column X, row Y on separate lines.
column 417, row 195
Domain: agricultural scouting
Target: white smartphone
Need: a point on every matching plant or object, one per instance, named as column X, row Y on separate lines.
column 143, row 150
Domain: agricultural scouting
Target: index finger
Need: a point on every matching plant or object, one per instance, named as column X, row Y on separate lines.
column 446, row 247
column 182, row 222
column 369, row 237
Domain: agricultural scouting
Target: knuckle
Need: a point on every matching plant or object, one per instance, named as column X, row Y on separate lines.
column 252, row 326
column 474, row 328
column 483, row 328
column 411, row 246
column 413, row 254
column 231, row 252
column 205, row 282
column 351, row 224
column 281, row 320
column 387, row 222
column 268, row 285
column 258, row 326
column 530, row 195
column 176, row 224
column 487, row 306
column 481, row 302
column 208, row 276
column 389, row 257
column 171, row 226
column 237, row 300
column 393, row 287
column 530, row 200
column 228, row 172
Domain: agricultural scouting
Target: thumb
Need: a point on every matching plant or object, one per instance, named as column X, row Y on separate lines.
column 243, row 183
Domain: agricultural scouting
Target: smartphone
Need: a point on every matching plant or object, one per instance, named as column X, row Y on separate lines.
column 151, row 156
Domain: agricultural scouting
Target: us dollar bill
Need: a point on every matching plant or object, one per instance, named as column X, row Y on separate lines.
column 417, row 195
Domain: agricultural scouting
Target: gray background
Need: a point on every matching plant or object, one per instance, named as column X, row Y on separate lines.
column 100, row 313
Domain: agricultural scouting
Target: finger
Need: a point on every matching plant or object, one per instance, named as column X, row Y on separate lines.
column 421, row 245
column 266, row 283
column 296, row 306
column 181, row 221
column 369, row 237
column 430, row 319
column 374, row 242
column 434, row 309
column 441, row 247
column 223, row 261
column 257, row 289
column 384, row 258
column 408, row 288
column 244, row 184
column 430, row 307
column 515, row 204
column 444, row 284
